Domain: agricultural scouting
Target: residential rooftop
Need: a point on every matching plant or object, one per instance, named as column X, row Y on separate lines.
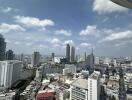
column 95, row 75
column 81, row 83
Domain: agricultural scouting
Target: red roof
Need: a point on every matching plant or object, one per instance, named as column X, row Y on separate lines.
column 45, row 95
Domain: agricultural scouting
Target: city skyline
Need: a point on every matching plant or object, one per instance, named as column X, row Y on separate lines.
column 47, row 26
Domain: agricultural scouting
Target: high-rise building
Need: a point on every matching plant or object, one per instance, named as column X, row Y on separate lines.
column 9, row 55
column 2, row 48
column 72, row 54
column 10, row 72
column 90, row 60
column 68, row 52
column 53, row 57
column 35, row 59
column 94, row 86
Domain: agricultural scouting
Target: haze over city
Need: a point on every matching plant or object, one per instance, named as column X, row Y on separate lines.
column 48, row 25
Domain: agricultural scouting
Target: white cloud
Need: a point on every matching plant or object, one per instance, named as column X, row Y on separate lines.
column 105, row 19
column 28, row 38
column 16, row 42
column 8, row 41
column 63, row 32
column 71, row 42
column 55, row 41
column 123, row 43
column 57, row 45
column 6, row 10
column 77, row 48
column 42, row 46
column 91, row 31
column 32, row 22
column 106, row 6
column 5, row 28
column 86, row 45
column 29, row 44
column 120, row 44
column 118, row 36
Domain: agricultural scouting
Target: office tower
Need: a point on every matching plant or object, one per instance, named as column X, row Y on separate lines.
column 122, row 90
column 35, row 59
column 53, row 57
column 72, row 54
column 10, row 72
column 94, row 86
column 90, row 60
column 68, row 52
column 9, row 55
column 2, row 48
column 79, row 89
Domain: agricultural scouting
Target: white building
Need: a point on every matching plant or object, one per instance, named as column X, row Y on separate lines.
column 94, row 86
column 39, row 72
column 7, row 96
column 114, row 62
column 96, row 60
column 10, row 72
column 79, row 90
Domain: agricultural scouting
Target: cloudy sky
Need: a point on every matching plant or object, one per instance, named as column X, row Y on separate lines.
column 48, row 25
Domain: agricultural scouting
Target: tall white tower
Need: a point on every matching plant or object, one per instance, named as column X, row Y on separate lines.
column 94, row 86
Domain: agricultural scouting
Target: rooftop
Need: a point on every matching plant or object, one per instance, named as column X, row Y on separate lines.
column 81, row 83
column 95, row 75
column 45, row 94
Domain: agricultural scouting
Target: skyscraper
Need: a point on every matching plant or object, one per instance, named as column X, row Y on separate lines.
column 53, row 57
column 72, row 54
column 35, row 59
column 2, row 48
column 68, row 52
column 90, row 60
column 9, row 55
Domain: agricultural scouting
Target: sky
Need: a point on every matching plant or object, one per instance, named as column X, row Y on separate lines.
column 48, row 25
